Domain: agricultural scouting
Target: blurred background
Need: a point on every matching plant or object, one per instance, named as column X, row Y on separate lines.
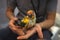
column 4, row 21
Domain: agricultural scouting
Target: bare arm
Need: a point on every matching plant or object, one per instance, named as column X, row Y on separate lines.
column 10, row 13
column 49, row 21
column 51, row 10
column 51, row 13
column 11, row 5
column 47, row 24
column 12, row 18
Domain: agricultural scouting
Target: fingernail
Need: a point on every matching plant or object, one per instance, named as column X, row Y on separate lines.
column 17, row 37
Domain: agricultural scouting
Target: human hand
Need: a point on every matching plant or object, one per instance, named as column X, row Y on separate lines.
column 11, row 24
column 15, row 28
column 28, row 34
column 39, row 31
column 22, row 37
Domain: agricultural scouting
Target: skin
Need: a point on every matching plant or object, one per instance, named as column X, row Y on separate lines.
column 19, row 31
column 31, row 32
column 43, row 25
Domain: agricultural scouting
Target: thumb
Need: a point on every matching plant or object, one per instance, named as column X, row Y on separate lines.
column 18, row 37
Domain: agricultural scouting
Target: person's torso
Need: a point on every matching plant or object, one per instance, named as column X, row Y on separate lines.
column 25, row 5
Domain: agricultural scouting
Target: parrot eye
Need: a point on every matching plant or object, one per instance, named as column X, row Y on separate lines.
column 30, row 16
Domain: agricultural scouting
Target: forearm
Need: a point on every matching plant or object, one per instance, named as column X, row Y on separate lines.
column 46, row 24
column 49, row 20
column 10, row 13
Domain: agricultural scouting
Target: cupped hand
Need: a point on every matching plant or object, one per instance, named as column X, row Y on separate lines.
column 11, row 24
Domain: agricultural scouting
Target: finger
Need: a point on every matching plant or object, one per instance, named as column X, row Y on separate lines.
column 11, row 25
column 18, row 37
column 39, row 30
column 21, row 37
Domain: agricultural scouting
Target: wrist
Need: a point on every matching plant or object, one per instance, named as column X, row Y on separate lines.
column 39, row 25
column 14, row 18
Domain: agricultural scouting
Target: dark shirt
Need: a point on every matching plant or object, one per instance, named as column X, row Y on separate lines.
column 25, row 5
